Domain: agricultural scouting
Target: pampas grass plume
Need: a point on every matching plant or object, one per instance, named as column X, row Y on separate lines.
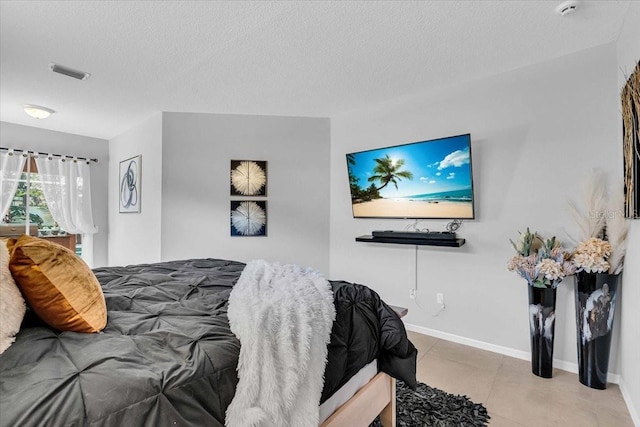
column 590, row 218
column 617, row 229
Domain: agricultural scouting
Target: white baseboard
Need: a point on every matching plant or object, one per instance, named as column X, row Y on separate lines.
column 635, row 417
column 518, row 354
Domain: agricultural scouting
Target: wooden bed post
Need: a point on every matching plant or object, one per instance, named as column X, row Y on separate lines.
column 378, row 397
column 388, row 414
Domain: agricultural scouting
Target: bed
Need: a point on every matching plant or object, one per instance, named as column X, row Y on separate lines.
column 168, row 357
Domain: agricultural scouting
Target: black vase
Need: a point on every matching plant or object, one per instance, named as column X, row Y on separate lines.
column 595, row 295
column 542, row 320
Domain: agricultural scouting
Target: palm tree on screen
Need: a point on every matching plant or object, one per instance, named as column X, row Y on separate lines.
column 351, row 159
column 388, row 171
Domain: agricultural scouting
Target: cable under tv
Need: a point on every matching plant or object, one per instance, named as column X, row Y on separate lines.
column 420, row 235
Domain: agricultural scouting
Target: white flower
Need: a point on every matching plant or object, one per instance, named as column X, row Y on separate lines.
column 515, row 262
column 551, row 269
column 569, row 268
column 591, row 255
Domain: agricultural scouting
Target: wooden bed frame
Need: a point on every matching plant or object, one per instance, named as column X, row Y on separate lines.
column 377, row 397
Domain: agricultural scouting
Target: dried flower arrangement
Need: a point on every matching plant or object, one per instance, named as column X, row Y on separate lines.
column 542, row 263
column 602, row 235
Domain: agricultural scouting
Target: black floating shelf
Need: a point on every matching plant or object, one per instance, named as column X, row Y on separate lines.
column 423, row 242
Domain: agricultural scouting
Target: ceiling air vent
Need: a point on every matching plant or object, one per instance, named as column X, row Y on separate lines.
column 61, row 69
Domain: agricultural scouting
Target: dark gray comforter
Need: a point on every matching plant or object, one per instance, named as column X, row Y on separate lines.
column 167, row 356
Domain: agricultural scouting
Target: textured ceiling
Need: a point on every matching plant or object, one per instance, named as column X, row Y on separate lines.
column 297, row 58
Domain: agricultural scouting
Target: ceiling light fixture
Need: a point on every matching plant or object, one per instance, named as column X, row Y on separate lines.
column 567, row 7
column 76, row 74
column 37, row 111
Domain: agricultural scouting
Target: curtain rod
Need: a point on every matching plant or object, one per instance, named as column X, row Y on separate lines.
column 47, row 154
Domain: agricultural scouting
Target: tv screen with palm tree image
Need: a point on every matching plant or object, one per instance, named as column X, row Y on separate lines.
column 421, row 180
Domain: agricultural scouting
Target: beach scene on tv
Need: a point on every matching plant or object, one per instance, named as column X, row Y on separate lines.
column 429, row 179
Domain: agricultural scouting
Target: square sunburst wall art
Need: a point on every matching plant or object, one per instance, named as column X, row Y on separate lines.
column 248, row 217
column 248, row 178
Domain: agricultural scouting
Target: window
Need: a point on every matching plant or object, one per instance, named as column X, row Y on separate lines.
column 29, row 198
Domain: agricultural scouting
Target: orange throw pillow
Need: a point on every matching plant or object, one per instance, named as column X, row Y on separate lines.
column 58, row 286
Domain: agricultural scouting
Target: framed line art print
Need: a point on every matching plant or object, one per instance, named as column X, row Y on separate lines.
column 130, row 185
column 248, row 178
column 248, row 218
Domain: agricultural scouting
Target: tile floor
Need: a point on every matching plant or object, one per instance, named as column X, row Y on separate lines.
column 511, row 393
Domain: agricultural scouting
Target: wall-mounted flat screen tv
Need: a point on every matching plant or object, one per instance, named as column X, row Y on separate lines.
column 421, row 180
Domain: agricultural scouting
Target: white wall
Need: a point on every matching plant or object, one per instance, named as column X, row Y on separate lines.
column 536, row 133
column 134, row 238
column 628, row 56
column 197, row 149
column 47, row 141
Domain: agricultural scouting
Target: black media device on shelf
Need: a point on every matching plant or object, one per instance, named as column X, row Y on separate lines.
column 420, row 235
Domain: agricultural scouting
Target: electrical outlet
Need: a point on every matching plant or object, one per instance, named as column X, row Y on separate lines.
column 412, row 293
column 440, row 299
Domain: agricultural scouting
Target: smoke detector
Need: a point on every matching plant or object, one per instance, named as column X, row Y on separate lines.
column 76, row 74
column 567, row 7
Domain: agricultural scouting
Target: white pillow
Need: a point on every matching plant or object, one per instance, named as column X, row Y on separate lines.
column 12, row 306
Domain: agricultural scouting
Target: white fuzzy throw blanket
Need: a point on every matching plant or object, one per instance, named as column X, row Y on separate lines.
column 283, row 315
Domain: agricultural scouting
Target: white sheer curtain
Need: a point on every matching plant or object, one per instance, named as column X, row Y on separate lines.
column 11, row 168
column 67, row 189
